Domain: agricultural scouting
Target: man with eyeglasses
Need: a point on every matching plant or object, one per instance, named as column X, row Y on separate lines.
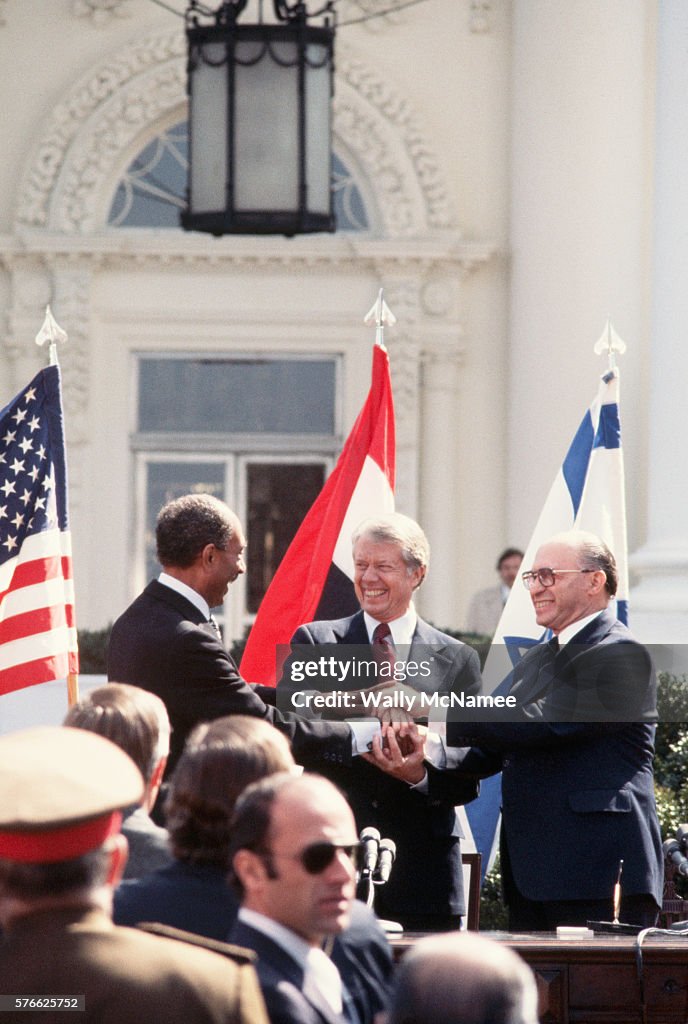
column 576, row 754
column 292, row 860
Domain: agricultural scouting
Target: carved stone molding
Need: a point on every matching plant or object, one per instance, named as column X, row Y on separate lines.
column 117, row 89
column 481, row 16
column 100, row 12
column 71, row 304
column 379, row 14
column 396, row 119
column 72, row 174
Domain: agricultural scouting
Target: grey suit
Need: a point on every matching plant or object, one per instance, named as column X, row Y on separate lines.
column 427, row 877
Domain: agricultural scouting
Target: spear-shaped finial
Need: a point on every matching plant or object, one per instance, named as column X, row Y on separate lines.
column 52, row 333
column 382, row 316
column 610, row 342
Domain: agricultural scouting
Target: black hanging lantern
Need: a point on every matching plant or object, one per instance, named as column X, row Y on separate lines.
column 260, row 122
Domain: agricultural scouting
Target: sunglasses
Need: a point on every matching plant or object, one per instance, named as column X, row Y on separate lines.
column 318, row 856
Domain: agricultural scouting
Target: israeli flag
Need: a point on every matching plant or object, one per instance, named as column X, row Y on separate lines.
column 587, row 494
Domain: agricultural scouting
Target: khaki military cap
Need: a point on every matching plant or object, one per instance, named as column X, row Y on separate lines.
column 61, row 791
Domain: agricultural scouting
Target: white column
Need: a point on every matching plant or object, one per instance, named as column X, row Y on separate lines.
column 440, row 502
column 659, row 604
column 580, row 174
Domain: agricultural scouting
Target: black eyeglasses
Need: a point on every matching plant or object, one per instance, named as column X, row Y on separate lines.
column 546, row 577
column 318, row 856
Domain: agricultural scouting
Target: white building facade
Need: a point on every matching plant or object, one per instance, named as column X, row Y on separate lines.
column 512, row 183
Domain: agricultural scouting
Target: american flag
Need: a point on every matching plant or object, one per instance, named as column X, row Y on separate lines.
column 37, row 625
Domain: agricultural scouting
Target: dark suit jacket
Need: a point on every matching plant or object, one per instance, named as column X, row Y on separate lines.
column 577, row 781
column 196, row 898
column 427, row 877
column 163, row 644
column 289, row 997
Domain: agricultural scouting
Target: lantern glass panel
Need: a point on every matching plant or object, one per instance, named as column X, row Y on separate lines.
column 208, row 109
column 266, row 157
column 318, row 168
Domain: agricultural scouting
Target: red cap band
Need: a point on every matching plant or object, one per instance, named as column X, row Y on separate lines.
column 55, row 844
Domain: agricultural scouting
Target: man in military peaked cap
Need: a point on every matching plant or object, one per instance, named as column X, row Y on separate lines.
column 62, row 791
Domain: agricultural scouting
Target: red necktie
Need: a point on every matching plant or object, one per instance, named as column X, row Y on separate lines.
column 384, row 650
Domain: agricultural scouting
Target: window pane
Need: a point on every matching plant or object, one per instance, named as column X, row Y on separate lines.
column 279, row 496
column 277, row 396
column 169, row 480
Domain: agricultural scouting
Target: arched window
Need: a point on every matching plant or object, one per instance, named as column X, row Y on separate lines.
column 152, row 189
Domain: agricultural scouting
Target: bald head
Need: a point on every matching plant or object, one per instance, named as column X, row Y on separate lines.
column 463, row 978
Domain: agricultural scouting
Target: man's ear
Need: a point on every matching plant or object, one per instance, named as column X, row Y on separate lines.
column 598, row 581
column 204, row 558
column 421, row 576
column 250, row 870
column 119, row 855
column 154, row 784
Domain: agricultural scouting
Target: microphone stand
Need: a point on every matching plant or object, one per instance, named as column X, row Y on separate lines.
column 389, row 927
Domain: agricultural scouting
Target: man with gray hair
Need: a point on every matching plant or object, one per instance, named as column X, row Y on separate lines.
column 463, row 978
column 576, row 753
column 391, row 555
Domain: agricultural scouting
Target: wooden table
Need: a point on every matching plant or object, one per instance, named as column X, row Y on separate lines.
column 603, row 980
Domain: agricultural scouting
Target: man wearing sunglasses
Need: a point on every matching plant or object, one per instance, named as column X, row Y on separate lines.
column 292, row 862
column 576, row 756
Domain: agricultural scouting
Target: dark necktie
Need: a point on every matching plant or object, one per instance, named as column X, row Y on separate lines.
column 384, row 650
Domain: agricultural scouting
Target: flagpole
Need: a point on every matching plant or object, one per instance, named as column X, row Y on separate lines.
column 610, row 342
column 382, row 316
column 52, row 333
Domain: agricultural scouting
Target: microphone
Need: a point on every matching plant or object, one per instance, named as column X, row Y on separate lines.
column 370, row 838
column 682, row 836
column 672, row 852
column 388, row 852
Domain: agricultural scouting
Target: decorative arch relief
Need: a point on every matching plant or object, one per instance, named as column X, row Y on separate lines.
column 74, row 170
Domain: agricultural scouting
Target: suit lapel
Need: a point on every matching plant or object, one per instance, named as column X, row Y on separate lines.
column 274, row 955
column 355, row 632
column 537, row 677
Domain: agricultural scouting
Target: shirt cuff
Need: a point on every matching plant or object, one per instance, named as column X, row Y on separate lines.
column 362, row 733
column 435, row 746
column 422, row 786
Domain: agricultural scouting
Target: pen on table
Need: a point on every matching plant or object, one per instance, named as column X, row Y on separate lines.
column 617, row 894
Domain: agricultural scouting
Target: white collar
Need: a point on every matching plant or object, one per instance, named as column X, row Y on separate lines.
column 186, row 591
column 569, row 632
column 402, row 629
column 314, row 962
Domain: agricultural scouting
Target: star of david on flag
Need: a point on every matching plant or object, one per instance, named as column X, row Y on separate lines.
column 587, row 494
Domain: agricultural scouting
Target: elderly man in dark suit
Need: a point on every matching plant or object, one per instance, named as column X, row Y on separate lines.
column 391, row 556
column 168, row 642
column 292, row 857
column 576, row 759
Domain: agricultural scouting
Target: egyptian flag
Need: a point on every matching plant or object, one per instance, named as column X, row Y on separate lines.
column 315, row 578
